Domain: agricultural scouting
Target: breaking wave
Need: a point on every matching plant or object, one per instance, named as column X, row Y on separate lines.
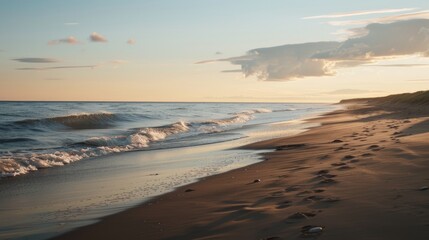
column 75, row 121
column 139, row 139
column 240, row 117
column 19, row 163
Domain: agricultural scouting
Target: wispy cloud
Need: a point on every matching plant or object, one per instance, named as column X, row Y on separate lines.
column 71, row 23
column 359, row 13
column 350, row 92
column 96, row 37
column 292, row 61
column 69, row 40
column 398, row 65
column 131, row 41
column 387, row 19
column 111, row 64
column 114, row 63
column 58, row 67
column 418, row 80
column 35, row 60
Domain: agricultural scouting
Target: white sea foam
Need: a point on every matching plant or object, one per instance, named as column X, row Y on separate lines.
column 14, row 164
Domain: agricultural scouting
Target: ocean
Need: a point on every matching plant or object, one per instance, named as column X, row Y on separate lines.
column 66, row 164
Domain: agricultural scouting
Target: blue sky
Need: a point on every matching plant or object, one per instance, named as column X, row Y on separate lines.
column 170, row 36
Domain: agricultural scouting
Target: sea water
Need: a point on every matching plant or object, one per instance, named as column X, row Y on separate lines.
column 66, row 164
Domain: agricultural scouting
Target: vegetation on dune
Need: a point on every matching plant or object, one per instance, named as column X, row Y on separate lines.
column 419, row 98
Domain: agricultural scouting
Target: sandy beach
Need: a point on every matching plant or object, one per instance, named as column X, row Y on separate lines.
column 362, row 174
column 185, row 119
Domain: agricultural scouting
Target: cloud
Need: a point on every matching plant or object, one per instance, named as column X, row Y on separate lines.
column 284, row 62
column 418, row 80
column 387, row 19
column 351, row 33
column 359, row 13
column 111, row 64
column 131, row 41
column 294, row 61
column 35, row 60
column 71, row 23
column 287, row 61
column 399, row 65
column 96, row 37
column 58, row 67
column 70, row 40
column 114, row 63
column 384, row 40
column 232, row 71
column 350, row 92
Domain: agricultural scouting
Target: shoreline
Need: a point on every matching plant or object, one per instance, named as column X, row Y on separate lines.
column 320, row 184
column 69, row 197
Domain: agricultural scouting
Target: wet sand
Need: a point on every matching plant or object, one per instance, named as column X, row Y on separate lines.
column 362, row 174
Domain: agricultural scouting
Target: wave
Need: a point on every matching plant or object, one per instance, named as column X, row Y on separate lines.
column 141, row 138
column 240, row 117
column 14, row 140
column 19, row 164
column 285, row 110
column 76, row 121
column 14, row 164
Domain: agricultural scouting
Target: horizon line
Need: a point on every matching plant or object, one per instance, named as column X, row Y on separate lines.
column 119, row 101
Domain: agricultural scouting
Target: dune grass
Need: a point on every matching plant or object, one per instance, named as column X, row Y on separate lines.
column 416, row 98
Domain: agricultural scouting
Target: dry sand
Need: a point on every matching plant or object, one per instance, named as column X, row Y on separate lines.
column 359, row 176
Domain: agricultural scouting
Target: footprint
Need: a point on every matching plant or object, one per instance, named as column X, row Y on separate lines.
column 318, row 198
column 327, row 181
column 314, row 198
column 338, row 164
column 345, row 167
column 300, row 216
column 348, row 157
column 318, row 190
column 284, row 204
column 321, row 172
column 291, row 146
column 328, row 175
column 340, row 148
column 292, row 189
column 374, row 147
column 303, row 193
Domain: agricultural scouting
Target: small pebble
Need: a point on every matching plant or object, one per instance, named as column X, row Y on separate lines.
column 315, row 230
column 310, row 230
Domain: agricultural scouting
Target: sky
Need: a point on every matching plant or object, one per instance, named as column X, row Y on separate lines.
column 212, row 50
